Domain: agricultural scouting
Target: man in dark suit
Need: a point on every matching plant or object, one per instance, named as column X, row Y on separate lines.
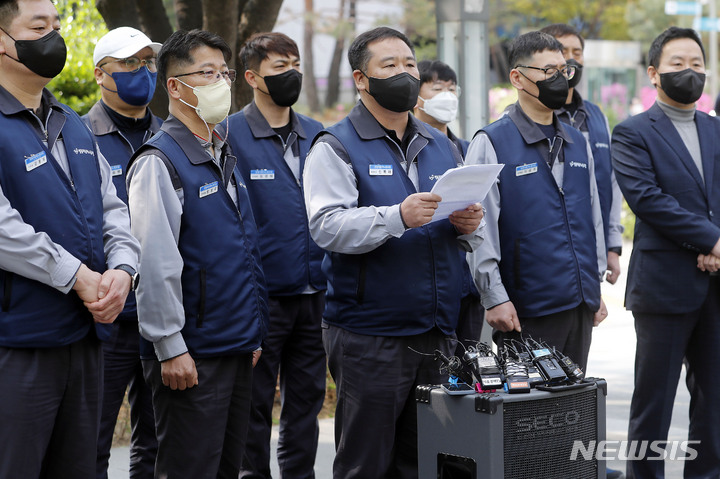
column 666, row 165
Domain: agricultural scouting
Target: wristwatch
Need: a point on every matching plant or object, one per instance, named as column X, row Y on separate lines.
column 134, row 276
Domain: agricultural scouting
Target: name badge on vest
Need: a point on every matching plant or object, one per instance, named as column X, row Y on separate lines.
column 208, row 189
column 526, row 169
column 38, row 159
column 116, row 170
column 381, row 170
column 262, row 174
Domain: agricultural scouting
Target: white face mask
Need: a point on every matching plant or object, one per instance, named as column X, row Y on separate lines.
column 443, row 106
column 213, row 101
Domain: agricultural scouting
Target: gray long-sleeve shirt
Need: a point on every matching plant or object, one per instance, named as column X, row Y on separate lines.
column 336, row 221
column 484, row 262
column 156, row 208
column 33, row 254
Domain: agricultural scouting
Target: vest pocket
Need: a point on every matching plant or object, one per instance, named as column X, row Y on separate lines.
column 201, row 306
column 7, row 291
column 361, row 281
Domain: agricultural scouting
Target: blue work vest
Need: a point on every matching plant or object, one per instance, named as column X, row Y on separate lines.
column 33, row 314
column 548, row 251
column 290, row 258
column 600, row 145
column 117, row 150
column 409, row 284
column 223, row 288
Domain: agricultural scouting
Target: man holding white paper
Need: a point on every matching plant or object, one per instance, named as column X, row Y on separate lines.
column 539, row 269
column 394, row 281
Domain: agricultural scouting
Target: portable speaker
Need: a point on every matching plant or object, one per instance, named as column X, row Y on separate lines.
column 510, row 436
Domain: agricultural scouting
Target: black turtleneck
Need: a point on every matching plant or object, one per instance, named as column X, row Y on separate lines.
column 134, row 129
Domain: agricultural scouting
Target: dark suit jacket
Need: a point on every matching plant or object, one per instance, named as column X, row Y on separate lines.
column 678, row 214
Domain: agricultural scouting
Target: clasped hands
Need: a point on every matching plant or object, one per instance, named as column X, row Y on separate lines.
column 103, row 294
column 418, row 209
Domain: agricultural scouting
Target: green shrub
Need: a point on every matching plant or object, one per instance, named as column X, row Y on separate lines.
column 82, row 27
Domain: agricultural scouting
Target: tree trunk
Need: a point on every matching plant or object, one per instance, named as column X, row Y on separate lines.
column 309, row 83
column 189, row 14
column 332, row 95
column 221, row 17
column 118, row 13
column 154, row 19
column 255, row 16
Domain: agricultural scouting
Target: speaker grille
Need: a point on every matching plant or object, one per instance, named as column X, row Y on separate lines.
column 539, row 435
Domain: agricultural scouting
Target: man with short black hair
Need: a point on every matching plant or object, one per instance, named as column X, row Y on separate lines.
column 437, row 106
column 666, row 162
column 394, row 278
column 438, row 99
column 66, row 257
column 125, row 70
column 202, row 308
column 271, row 142
column 592, row 122
column 539, row 269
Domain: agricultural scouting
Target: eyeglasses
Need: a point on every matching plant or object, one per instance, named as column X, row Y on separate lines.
column 134, row 63
column 568, row 70
column 229, row 75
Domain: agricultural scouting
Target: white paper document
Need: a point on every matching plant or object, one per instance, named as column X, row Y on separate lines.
column 463, row 186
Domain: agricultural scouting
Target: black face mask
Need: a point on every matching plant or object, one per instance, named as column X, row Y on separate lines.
column 44, row 56
column 284, row 88
column 398, row 93
column 552, row 92
column 572, row 83
column 684, row 87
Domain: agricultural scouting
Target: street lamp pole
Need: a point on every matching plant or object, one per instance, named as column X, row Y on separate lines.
column 463, row 44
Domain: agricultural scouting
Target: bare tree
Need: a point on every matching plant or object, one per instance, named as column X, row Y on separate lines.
column 154, row 19
column 309, row 83
column 345, row 30
column 189, row 13
column 257, row 16
column 118, row 13
column 234, row 20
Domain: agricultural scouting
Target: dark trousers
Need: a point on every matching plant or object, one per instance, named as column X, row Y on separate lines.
column 664, row 342
column 470, row 323
column 293, row 347
column 569, row 331
column 201, row 431
column 122, row 369
column 49, row 411
column 376, row 418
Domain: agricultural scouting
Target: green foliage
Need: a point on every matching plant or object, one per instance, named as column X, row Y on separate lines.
column 421, row 27
column 418, row 23
column 648, row 19
column 82, row 27
column 594, row 18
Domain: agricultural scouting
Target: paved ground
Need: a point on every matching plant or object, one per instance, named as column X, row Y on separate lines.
column 612, row 357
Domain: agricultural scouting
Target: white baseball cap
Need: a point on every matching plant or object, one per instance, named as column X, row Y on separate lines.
column 122, row 42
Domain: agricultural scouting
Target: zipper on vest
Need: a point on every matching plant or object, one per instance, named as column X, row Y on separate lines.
column 201, row 306
column 570, row 240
